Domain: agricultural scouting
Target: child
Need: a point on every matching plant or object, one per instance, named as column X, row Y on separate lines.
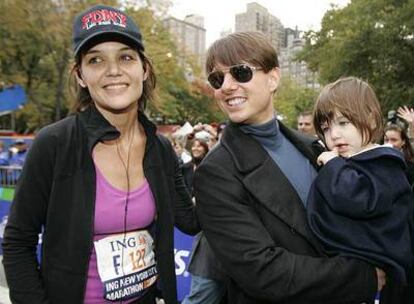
column 360, row 205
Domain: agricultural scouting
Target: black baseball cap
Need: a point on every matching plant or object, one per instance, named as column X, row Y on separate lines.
column 104, row 23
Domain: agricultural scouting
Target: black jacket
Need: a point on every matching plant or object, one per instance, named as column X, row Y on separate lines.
column 56, row 194
column 256, row 224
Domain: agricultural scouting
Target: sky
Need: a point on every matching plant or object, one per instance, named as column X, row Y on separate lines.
column 219, row 15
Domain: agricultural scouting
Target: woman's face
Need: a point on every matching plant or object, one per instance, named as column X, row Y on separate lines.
column 197, row 150
column 393, row 137
column 113, row 73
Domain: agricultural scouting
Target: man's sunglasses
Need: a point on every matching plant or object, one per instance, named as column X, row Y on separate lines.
column 241, row 73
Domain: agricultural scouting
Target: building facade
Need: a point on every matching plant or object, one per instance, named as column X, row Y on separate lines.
column 189, row 35
column 258, row 19
column 297, row 70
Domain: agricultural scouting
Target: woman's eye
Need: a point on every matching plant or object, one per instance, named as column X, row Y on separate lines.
column 343, row 122
column 94, row 60
column 127, row 57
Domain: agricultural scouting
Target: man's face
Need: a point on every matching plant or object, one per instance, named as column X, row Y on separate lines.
column 248, row 102
column 305, row 125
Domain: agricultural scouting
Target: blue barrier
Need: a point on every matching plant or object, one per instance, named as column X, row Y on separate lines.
column 182, row 251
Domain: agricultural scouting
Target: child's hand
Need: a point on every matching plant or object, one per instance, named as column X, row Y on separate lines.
column 326, row 156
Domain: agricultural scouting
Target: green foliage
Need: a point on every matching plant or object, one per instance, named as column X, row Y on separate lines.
column 292, row 99
column 36, row 53
column 370, row 39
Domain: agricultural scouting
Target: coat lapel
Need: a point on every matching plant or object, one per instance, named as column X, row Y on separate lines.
column 265, row 180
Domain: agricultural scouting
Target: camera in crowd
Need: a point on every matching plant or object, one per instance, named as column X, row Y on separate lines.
column 393, row 119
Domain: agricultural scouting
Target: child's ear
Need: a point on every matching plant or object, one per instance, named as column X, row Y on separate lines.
column 372, row 122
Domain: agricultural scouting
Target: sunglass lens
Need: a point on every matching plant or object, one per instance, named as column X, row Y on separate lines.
column 241, row 73
column 216, row 79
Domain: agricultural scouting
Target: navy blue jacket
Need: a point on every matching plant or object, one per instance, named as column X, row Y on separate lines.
column 362, row 207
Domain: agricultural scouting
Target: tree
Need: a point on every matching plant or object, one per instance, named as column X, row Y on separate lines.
column 292, row 99
column 36, row 50
column 36, row 53
column 179, row 99
column 370, row 39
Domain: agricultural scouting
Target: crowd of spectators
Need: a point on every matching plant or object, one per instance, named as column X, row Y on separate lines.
column 12, row 158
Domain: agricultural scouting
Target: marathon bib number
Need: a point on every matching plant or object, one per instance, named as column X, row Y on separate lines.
column 126, row 264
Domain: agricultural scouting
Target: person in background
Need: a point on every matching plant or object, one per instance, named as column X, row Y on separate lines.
column 199, row 149
column 4, row 155
column 396, row 135
column 179, row 143
column 207, row 278
column 305, row 123
column 251, row 191
column 361, row 204
column 4, row 161
column 18, row 152
column 207, row 133
column 100, row 185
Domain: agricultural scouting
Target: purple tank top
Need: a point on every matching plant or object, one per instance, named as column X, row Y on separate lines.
column 109, row 220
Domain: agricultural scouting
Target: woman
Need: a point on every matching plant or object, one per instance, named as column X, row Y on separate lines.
column 207, row 278
column 100, row 185
column 199, row 150
column 398, row 138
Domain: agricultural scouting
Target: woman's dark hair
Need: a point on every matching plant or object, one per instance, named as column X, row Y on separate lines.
column 197, row 161
column 406, row 149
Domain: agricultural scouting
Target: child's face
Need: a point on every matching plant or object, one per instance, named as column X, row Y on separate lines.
column 342, row 136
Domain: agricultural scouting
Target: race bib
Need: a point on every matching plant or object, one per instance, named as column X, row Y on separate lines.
column 126, row 264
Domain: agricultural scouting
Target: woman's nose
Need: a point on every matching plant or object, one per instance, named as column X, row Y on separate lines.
column 113, row 68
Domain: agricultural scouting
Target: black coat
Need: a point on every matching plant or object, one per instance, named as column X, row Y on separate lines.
column 56, row 194
column 256, row 224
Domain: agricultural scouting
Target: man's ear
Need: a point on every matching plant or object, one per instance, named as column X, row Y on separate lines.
column 274, row 79
column 79, row 78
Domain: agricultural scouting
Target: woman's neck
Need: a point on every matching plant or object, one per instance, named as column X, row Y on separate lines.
column 124, row 122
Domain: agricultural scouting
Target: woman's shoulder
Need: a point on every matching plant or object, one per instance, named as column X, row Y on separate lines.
column 55, row 134
column 57, row 128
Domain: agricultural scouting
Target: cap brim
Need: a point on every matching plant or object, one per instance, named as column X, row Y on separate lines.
column 108, row 36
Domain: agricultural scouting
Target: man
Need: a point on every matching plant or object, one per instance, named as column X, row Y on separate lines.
column 251, row 192
column 305, row 123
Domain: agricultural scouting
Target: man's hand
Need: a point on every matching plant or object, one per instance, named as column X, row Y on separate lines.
column 381, row 278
